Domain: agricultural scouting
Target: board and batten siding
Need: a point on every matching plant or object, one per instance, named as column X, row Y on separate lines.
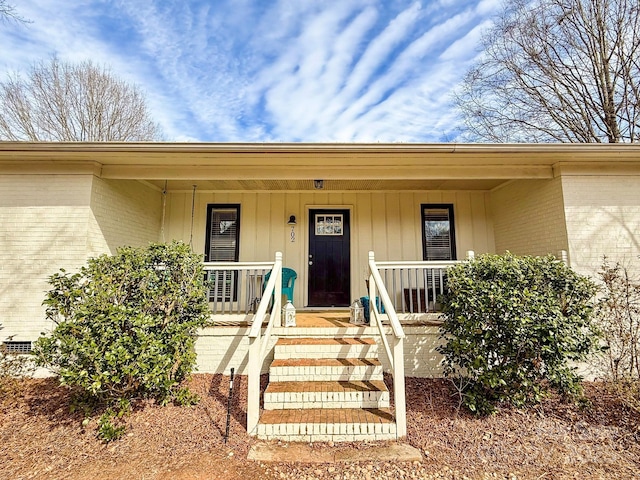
column 388, row 223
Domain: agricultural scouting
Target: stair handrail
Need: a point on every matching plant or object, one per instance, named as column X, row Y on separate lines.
column 395, row 356
column 258, row 345
column 375, row 280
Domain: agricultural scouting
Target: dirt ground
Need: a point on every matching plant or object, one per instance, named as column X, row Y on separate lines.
column 41, row 439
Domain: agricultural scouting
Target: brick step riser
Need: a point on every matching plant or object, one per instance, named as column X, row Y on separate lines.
column 330, row 438
column 325, row 351
column 302, row 400
column 326, row 432
column 325, row 374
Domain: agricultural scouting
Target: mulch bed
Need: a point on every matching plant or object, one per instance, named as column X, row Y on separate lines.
column 41, row 439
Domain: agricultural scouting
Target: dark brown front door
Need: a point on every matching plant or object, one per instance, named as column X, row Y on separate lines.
column 329, row 258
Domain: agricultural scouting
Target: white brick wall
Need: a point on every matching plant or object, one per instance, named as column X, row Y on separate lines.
column 48, row 222
column 43, row 227
column 125, row 212
column 529, row 217
column 603, row 218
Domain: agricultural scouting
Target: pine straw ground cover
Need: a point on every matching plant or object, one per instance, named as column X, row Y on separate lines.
column 41, row 439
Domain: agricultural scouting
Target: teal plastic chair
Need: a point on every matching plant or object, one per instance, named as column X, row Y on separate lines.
column 288, row 281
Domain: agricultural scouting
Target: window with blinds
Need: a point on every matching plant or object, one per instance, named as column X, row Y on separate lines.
column 222, row 245
column 438, row 236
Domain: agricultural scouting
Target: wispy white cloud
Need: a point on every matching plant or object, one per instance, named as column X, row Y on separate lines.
column 280, row 70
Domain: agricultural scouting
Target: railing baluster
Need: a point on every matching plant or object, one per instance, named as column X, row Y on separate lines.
column 426, row 289
column 394, row 287
column 404, row 302
column 434, row 287
column 226, row 296
column 418, row 289
column 232, row 290
column 215, row 290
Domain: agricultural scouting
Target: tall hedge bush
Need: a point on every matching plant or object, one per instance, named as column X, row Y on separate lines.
column 512, row 326
column 125, row 325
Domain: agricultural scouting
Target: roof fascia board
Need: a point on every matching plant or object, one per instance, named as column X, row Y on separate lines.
column 168, row 147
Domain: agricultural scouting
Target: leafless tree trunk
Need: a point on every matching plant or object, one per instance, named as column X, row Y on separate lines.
column 557, row 71
column 62, row 101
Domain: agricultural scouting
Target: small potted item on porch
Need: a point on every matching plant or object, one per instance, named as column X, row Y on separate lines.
column 289, row 314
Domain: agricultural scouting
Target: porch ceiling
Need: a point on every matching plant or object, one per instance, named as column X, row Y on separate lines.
column 329, row 185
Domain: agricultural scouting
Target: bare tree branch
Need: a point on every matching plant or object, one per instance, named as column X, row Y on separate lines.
column 61, row 101
column 8, row 12
column 557, row 71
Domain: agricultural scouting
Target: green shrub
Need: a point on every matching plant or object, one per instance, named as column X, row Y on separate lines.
column 512, row 325
column 126, row 324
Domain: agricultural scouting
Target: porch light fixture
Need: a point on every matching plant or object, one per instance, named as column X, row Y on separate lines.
column 292, row 223
column 318, row 184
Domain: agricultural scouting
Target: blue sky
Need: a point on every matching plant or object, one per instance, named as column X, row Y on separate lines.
column 270, row 71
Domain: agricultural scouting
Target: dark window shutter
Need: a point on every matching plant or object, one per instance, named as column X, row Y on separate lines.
column 438, row 232
column 222, row 245
column 223, row 236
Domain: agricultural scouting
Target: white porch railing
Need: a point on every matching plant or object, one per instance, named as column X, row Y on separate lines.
column 235, row 288
column 396, row 355
column 415, row 286
column 405, row 287
column 259, row 343
column 236, row 291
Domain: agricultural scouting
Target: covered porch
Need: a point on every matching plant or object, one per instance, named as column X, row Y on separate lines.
column 354, row 224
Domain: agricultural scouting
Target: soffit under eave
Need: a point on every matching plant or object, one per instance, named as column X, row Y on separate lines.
column 323, row 172
column 351, row 185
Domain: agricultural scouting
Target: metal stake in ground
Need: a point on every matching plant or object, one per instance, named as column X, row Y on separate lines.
column 226, row 434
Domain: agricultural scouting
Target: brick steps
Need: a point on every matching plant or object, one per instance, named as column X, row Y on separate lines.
column 307, row 395
column 326, row 389
column 324, row 424
column 325, row 369
column 325, row 348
